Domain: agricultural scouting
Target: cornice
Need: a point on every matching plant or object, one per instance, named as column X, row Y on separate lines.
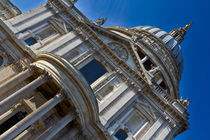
column 163, row 102
column 92, row 35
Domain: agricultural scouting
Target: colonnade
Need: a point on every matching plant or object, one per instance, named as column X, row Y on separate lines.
column 12, row 82
column 26, row 91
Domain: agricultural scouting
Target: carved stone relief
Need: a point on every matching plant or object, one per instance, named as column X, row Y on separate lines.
column 119, row 50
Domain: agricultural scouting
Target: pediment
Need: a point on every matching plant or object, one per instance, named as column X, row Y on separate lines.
column 123, row 49
column 120, row 50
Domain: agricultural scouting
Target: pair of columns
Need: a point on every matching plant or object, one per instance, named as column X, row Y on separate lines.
column 6, row 86
column 31, row 118
column 34, row 116
column 7, row 103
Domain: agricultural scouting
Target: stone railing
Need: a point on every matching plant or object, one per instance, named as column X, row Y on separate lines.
column 175, row 103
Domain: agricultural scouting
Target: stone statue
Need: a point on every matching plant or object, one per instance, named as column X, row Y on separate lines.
column 186, row 102
column 100, row 21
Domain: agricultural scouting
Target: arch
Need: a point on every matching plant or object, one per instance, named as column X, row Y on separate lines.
column 77, row 90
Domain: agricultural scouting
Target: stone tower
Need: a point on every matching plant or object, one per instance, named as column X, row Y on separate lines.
column 64, row 77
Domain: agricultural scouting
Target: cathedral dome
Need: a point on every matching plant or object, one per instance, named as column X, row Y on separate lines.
column 171, row 44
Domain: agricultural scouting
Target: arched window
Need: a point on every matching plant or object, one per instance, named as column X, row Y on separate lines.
column 92, row 71
column 1, row 60
column 121, row 135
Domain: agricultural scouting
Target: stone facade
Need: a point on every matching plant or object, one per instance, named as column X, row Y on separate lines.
column 62, row 76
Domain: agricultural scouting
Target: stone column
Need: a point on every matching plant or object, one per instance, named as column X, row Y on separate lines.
column 144, row 59
column 6, row 104
column 17, row 79
column 52, row 131
column 9, row 114
column 31, row 118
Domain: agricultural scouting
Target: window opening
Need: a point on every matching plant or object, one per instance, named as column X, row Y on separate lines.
column 141, row 55
column 30, row 41
column 148, row 65
column 92, row 71
column 121, row 135
column 163, row 85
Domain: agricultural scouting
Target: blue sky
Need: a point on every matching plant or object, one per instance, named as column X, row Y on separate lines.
column 166, row 15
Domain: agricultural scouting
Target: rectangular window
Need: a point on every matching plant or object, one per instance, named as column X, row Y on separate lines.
column 93, row 71
column 30, row 41
column 121, row 135
column 141, row 54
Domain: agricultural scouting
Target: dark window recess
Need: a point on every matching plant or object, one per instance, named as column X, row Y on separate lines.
column 141, row 55
column 30, row 41
column 1, row 60
column 121, row 135
column 175, row 35
column 148, row 65
column 12, row 121
column 92, row 71
column 163, row 85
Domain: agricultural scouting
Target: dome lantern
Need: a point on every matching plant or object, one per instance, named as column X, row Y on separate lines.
column 178, row 34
